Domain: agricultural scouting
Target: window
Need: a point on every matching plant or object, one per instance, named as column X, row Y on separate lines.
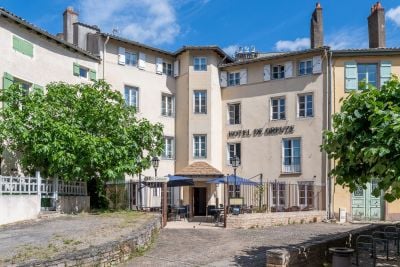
column 305, row 67
column 167, row 105
column 234, row 149
column 130, row 58
column 278, row 195
column 278, row 72
column 234, row 190
column 305, row 106
column 200, row 146
column 83, row 72
column 200, row 102
column 132, row 96
column 22, row 46
column 291, row 156
column 367, row 75
column 167, row 68
column 26, row 86
column 200, row 63
column 278, row 108
column 306, row 194
column 233, row 78
column 234, row 113
column 168, row 148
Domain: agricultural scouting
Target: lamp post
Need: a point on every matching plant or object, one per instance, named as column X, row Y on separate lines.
column 155, row 162
column 235, row 164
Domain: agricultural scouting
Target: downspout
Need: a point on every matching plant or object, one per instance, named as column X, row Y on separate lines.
column 331, row 110
column 104, row 55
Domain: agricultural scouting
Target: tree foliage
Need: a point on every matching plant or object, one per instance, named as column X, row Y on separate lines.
column 82, row 131
column 365, row 141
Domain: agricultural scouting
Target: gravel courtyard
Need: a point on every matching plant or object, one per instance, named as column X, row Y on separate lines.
column 182, row 245
column 44, row 239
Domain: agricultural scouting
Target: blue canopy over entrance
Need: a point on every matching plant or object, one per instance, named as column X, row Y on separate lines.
column 230, row 179
column 175, row 181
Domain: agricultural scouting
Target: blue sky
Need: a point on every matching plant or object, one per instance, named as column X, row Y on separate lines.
column 266, row 24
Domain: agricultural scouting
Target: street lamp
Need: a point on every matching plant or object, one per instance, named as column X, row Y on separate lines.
column 235, row 163
column 155, row 162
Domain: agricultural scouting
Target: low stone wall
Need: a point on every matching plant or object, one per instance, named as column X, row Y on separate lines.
column 262, row 220
column 14, row 208
column 108, row 254
column 74, row 204
column 313, row 253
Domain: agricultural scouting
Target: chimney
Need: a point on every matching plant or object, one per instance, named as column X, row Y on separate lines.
column 317, row 31
column 376, row 26
column 69, row 18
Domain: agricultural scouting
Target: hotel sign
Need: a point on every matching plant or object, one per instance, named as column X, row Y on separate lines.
column 261, row 132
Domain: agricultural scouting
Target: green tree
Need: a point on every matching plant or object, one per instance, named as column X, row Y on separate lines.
column 365, row 141
column 82, row 131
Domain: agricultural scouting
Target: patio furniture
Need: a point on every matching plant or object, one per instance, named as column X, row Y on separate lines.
column 365, row 243
column 379, row 238
column 211, row 211
column 182, row 212
column 392, row 234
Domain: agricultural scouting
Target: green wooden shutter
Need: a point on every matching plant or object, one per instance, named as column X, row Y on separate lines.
column 92, row 75
column 22, row 46
column 385, row 71
column 8, row 80
column 76, row 69
column 351, row 79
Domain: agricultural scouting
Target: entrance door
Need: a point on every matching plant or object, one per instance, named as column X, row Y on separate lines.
column 365, row 206
column 200, row 201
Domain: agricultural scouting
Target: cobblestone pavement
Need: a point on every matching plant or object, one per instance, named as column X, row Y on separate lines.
column 48, row 237
column 212, row 246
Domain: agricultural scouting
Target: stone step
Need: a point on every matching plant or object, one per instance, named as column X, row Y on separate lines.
column 46, row 214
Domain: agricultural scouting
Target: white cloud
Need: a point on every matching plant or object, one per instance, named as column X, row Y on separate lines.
column 230, row 50
column 393, row 14
column 298, row 44
column 348, row 38
column 145, row 21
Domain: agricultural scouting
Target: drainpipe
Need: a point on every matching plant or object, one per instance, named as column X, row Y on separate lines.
column 104, row 55
column 330, row 112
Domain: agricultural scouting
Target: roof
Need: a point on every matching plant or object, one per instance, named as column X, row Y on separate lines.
column 204, row 47
column 277, row 56
column 199, row 168
column 5, row 13
column 366, row 52
column 125, row 40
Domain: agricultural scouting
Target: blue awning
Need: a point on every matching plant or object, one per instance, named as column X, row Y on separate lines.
column 175, row 181
column 231, row 180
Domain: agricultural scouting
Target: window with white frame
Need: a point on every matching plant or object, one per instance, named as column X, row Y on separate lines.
column 200, row 146
column 278, row 108
column 305, row 67
column 305, row 106
column 26, row 86
column 306, row 194
column 167, row 68
column 291, row 162
column 130, row 58
column 168, row 148
column 167, row 105
column 278, row 195
column 234, row 149
column 200, row 63
column 200, row 102
column 132, row 96
column 234, row 113
column 278, row 72
column 233, row 78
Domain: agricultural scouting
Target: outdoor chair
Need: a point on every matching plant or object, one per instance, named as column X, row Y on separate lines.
column 365, row 243
column 182, row 212
column 379, row 238
column 211, row 211
column 392, row 234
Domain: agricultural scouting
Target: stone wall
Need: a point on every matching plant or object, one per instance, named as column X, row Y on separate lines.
column 262, row 220
column 108, row 254
column 74, row 204
column 314, row 253
column 14, row 208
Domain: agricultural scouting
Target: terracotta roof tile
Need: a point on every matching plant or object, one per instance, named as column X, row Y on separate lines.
column 199, row 168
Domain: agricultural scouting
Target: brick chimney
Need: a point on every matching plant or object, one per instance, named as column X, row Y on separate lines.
column 376, row 26
column 69, row 18
column 317, row 31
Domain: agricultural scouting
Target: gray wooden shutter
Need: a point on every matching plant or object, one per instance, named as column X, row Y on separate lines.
column 288, row 69
column 159, row 65
column 121, row 56
column 385, row 71
column 142, row 61
column 176, row 68
column 267, row 72
column 317, row 64
column 351, row 79
column 223, row 79
column 243, row 76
